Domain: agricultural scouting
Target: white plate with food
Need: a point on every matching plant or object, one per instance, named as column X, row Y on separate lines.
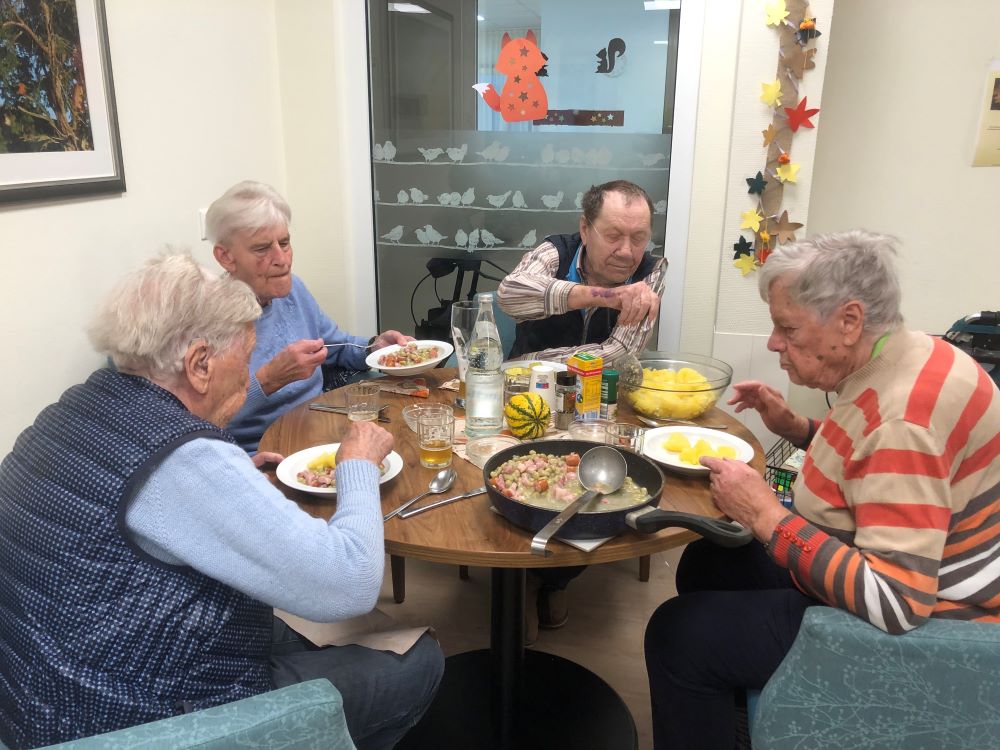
column 662, row 443
column 409, row 359
column 312, row 469
column 525, row 364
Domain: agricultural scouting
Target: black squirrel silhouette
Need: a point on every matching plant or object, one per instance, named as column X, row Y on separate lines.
column 607, row 57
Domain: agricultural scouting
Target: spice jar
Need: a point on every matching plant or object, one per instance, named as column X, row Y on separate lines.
column 565, row 399
column 609, row 394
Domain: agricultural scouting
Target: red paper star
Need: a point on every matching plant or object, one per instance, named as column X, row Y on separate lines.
column 799, row 115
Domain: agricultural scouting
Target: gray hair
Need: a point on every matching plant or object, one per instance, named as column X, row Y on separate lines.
column 150, row 318
column 827, row 270
column 593, row 199
column 246, row 206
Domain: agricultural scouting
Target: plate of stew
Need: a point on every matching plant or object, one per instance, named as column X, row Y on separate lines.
column 411, row 358
column 313, row 469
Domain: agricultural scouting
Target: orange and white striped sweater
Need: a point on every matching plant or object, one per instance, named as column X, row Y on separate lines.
column 897, row 506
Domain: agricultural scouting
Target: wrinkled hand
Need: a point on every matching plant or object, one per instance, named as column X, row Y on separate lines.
column 387, row 338
column 265, row 457
column 297, row 361
column 365, row 441
column 743, row 495
column 773, row 409
column 637, row 302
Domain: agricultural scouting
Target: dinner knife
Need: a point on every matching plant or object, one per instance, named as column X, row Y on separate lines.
column 343, row 410
column 415, row 511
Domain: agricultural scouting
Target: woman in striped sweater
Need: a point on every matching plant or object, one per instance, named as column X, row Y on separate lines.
column 897, row 506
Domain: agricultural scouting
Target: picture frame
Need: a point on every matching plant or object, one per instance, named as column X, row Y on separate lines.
column 58, row 122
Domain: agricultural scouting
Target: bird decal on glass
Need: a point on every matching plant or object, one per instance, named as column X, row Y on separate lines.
column 553, row 201
column 468, row 197
column 489, row 239
column 430, row 154
column 518, row 200
column 433, row 236
column 528, row 240
column 497, row 201
column 417, row 196
column 457, row 154
column 394, row 235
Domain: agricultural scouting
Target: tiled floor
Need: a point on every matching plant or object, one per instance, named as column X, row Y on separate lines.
column 609, row 608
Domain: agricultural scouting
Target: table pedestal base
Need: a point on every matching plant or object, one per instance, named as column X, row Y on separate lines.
column 563, row 705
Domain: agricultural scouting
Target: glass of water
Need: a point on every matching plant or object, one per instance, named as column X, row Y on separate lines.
column 463, row 322
column 362, row 402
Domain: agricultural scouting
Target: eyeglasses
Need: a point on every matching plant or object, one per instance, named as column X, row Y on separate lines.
column 615, row 239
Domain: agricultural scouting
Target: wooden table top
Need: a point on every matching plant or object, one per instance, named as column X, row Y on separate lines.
column 468, row 532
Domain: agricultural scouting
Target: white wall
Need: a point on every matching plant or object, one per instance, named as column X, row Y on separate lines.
column 196, row 87
column 894, row 148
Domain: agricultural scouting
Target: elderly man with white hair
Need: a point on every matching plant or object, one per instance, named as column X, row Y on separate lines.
column 249, row 227
column 142, row 552
column 896, row 513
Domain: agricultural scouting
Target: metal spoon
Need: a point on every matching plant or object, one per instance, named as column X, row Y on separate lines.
column 441, row 482
column 602, row 471
column 346, row 343
column 662, row 422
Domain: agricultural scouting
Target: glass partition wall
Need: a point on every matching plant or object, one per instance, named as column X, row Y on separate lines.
column 489, row 121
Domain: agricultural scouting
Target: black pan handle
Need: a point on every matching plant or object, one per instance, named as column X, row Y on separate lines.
column 724, row 533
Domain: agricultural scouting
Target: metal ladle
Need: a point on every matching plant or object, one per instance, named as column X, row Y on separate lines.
column 602, row 471
column 441, row 482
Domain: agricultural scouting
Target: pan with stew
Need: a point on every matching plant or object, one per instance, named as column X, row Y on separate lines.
column 531, row 483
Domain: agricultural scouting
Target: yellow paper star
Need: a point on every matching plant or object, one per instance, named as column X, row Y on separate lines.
column 770, row 93
column 776, row 12
column 746, row 263
column 787, row 172
column 751, row 220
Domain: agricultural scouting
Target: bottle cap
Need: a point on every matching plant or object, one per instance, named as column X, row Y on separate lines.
column 565, row 378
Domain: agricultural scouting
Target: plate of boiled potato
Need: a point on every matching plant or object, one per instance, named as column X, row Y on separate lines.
column 679, row 447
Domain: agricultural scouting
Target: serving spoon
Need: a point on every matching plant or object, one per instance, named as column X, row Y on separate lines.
column 602, row 471
column 662, row 422
column 441, row 482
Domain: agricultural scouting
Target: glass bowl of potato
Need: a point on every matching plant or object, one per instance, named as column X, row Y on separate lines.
column 660, row 385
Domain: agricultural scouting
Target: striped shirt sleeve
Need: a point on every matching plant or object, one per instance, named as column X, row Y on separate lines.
column 531, row 292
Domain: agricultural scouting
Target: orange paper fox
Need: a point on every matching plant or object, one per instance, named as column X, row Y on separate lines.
column 523, row 97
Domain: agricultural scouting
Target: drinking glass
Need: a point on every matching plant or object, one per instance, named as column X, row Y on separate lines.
column 463, row 322
column 436, row 436
column 628, row 436
column 362, row 402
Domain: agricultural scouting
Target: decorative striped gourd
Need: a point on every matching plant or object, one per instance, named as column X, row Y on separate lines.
column 527, row 416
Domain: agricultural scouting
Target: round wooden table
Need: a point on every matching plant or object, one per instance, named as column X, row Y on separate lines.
column 502, row 697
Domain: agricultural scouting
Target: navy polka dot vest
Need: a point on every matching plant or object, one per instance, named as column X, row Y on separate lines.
column 96, row 635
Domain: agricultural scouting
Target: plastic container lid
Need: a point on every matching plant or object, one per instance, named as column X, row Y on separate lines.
column 480, row 450
column 594, row 430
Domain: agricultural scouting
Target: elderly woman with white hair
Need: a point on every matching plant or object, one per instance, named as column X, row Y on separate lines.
column 896, row 513
column 142, row 552
column 249, row 227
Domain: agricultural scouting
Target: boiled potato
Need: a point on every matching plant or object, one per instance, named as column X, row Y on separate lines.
column 325, row 460
column 676, row 443
column 725, row 451
column 669, row 394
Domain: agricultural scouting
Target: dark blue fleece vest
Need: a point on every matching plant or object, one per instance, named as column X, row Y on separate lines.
column 95, row 635
column 570, row 328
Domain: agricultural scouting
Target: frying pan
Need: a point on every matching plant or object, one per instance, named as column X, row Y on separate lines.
column 644, row 517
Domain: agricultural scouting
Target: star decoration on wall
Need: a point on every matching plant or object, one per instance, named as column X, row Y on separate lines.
column 784, row 228
column 746, row 264
column 776, row 12
column 756, row 184
column 769, row 133
column 770, row 93
column 751, row 220
column 798, row 116
column 787, row 172
column 742, row 247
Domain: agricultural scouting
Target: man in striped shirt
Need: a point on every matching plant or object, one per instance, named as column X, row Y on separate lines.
column 897, row 506
column 596, row 291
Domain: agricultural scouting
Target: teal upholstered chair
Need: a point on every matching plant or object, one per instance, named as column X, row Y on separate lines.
column 308, row 715
column 846, row 684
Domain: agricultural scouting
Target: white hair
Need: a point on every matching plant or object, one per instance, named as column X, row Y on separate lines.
column 247, row 206
column 827, row 270
column 149, row 320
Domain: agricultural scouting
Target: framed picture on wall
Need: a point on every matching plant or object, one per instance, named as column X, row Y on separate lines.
column 58, row 125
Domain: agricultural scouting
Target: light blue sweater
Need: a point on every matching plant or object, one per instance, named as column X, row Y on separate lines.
column 207, row 506
column 284, row 321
